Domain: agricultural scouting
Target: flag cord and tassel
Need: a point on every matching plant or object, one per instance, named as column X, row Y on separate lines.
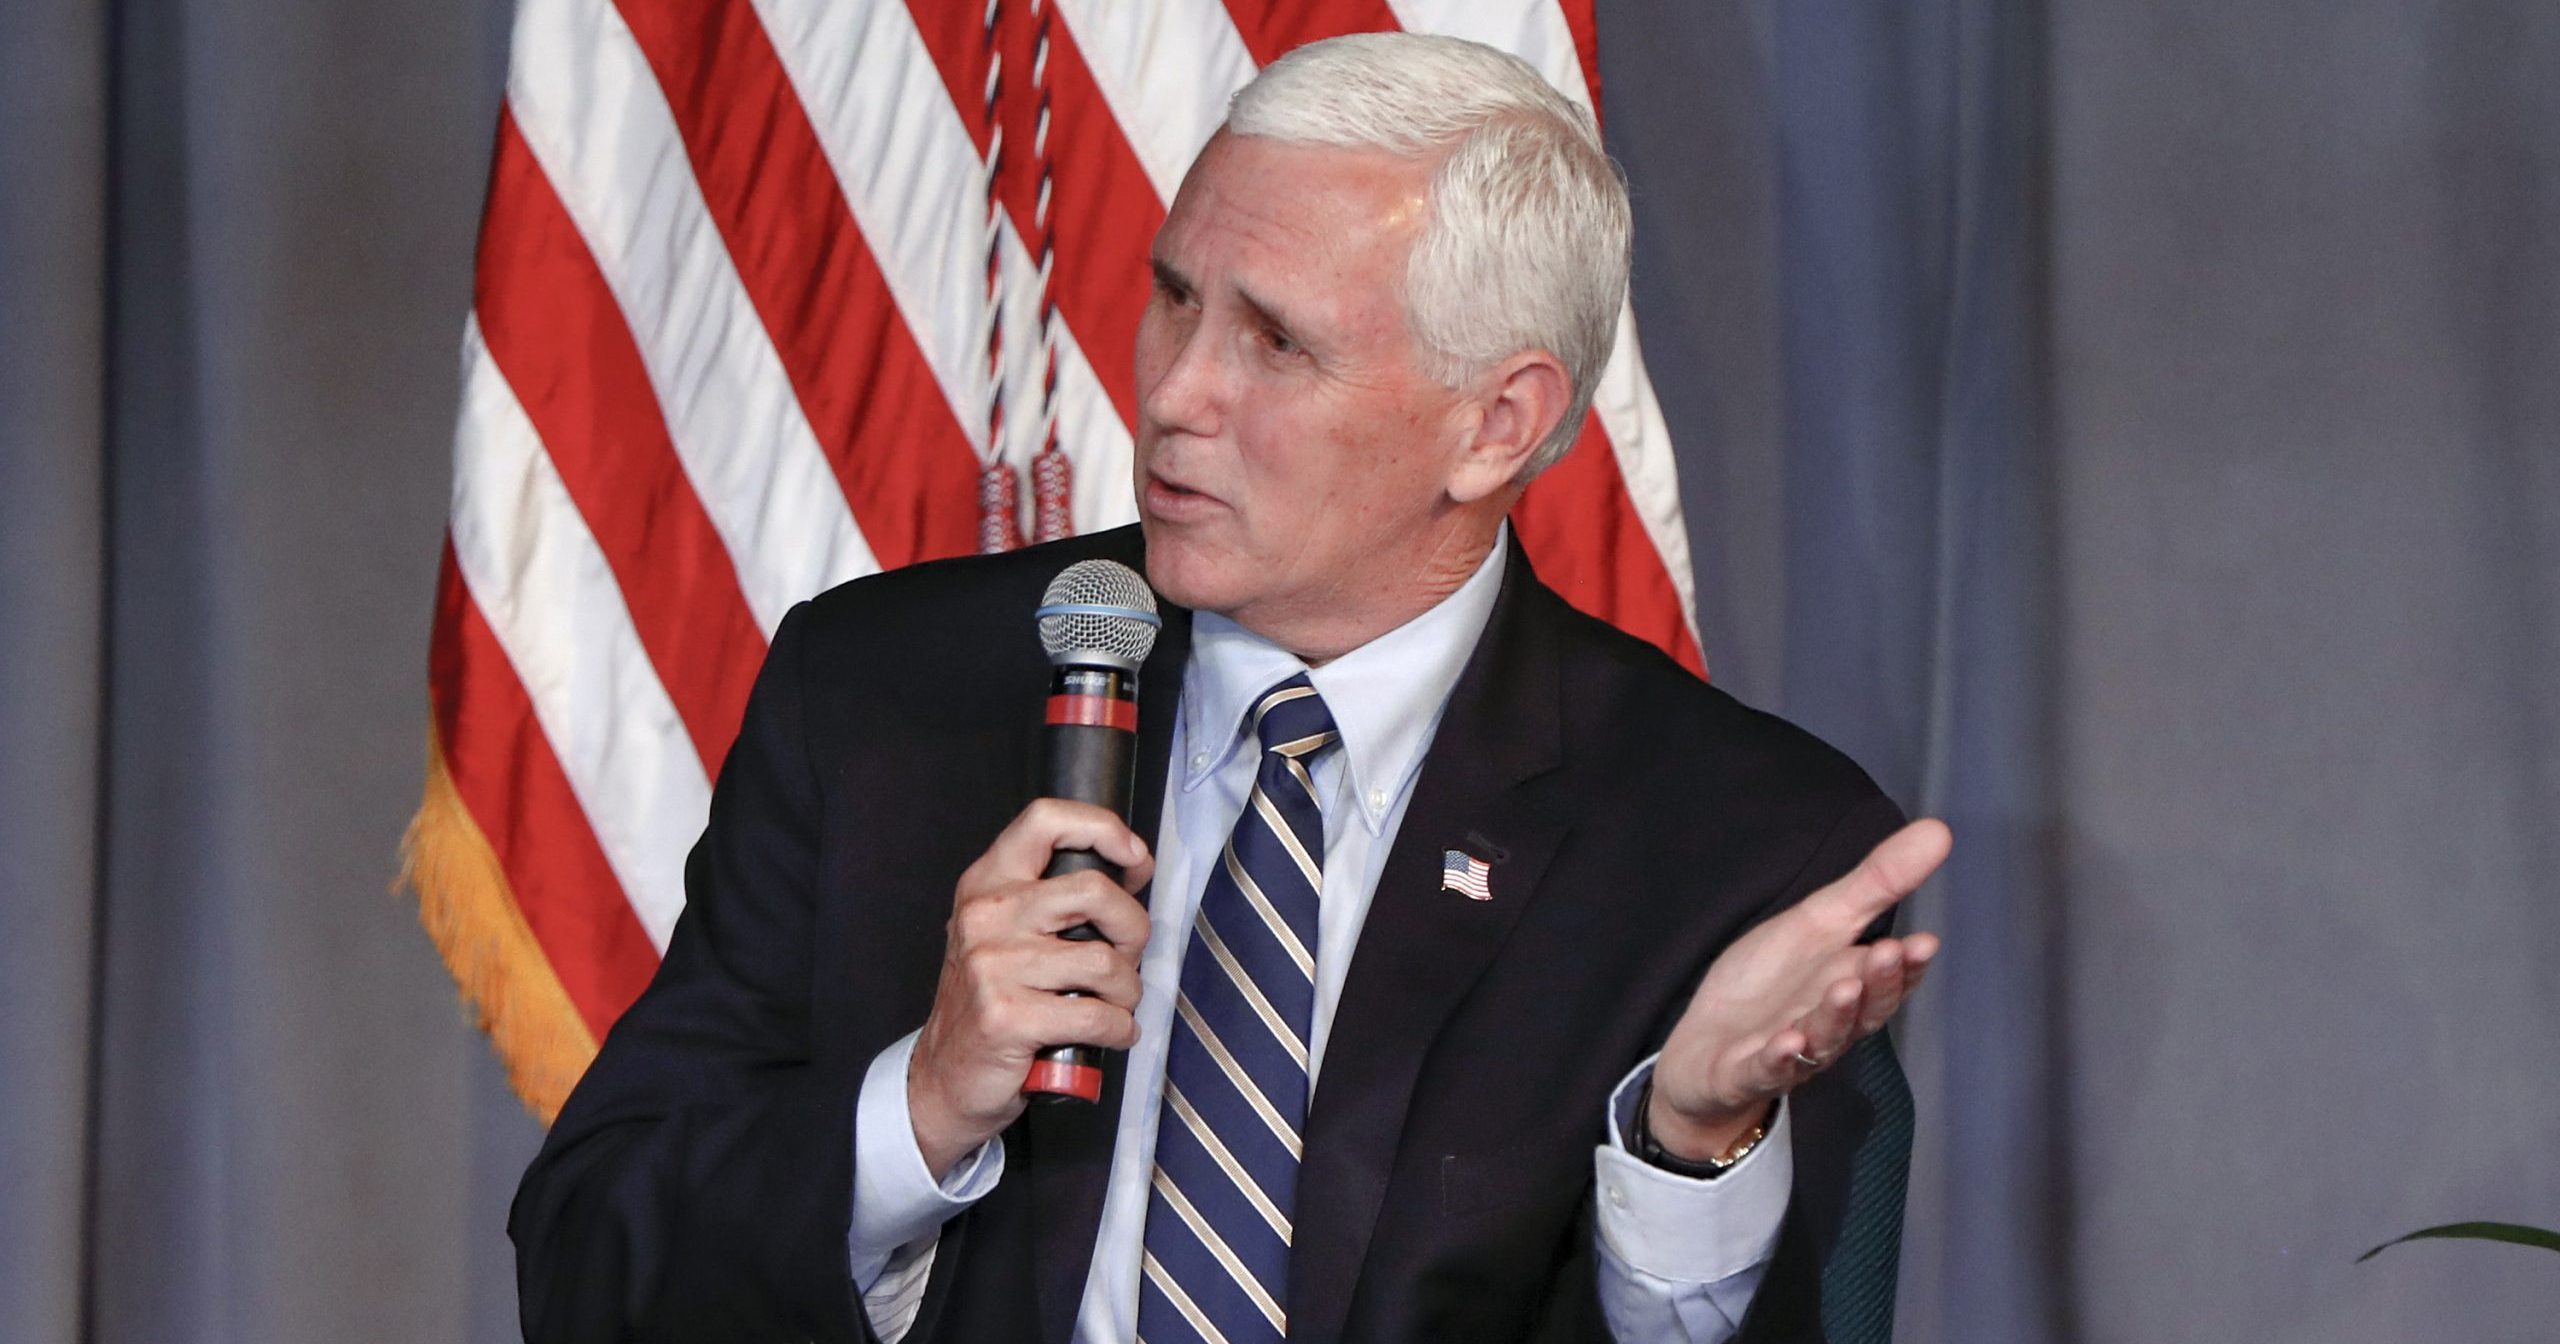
column 999, row 493
column 1051, row 477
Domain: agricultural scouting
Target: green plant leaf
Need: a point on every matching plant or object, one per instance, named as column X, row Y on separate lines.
column 2513, row 1233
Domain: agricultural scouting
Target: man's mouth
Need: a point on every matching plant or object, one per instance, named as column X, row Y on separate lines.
column 1173, row 500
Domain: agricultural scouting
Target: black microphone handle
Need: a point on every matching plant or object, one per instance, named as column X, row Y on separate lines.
column 1095, row 763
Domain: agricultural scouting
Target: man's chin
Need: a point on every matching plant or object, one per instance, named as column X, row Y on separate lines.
column 1180, row 571
column 1172, row 585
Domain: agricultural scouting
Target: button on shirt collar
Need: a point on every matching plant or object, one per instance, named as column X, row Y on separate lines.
column 1386, row 696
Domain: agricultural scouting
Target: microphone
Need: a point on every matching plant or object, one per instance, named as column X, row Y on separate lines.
column 1098, row 622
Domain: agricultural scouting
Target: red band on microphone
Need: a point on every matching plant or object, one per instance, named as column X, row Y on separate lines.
column 1064, row 1079
column 1094, row 711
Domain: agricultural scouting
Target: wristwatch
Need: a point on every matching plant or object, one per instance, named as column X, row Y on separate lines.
column 1654, row 1154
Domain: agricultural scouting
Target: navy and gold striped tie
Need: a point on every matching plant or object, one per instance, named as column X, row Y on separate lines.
column 1216, row 1264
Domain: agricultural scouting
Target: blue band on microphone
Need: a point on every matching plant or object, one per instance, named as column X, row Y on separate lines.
column 1099, row 609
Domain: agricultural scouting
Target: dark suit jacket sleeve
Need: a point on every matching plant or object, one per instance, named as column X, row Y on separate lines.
column 1829, row 1119
column 697, row 1184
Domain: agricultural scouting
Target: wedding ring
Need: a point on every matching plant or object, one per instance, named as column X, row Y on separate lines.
column 1807, row 1060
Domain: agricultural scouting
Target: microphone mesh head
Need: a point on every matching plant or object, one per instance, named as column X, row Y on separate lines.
column 1098, row 611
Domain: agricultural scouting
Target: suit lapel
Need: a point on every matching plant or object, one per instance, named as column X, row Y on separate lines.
column 1070, row 1146
column 1421, row 947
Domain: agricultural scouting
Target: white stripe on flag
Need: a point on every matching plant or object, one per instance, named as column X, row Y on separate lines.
column 1090, row 428
column 1167, row 69
column 1642, row 443
column 541, row 581
column 910, row 174
column 1533, row 30
column 591, row 110
column 908, row 170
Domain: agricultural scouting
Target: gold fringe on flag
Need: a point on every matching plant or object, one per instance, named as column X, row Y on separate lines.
column 469, row 910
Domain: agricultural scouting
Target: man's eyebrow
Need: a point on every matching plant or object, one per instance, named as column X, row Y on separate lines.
column 1170, row 279
column 1270, row 316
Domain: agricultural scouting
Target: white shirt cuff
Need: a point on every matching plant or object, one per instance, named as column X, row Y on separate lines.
column 1685, row 1230
column 896, row 1201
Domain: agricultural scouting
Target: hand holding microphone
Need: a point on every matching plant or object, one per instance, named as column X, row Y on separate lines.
column 1045, row 935
column 1098, row 623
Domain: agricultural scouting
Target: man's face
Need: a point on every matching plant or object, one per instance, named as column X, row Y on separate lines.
column 1292, row 457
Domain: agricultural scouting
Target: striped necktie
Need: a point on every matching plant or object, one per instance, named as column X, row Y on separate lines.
column 1216, row 1264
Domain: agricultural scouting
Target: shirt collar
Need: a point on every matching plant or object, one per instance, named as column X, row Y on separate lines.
column 1385, row 696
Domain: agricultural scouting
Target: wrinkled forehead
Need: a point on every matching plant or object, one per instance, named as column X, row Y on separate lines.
column 1258, row 204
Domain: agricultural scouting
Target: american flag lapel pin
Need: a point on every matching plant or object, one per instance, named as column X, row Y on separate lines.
column 1466, row 874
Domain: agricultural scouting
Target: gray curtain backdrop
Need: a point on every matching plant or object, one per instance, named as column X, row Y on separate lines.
column 237, row 1100
column 2133, row 431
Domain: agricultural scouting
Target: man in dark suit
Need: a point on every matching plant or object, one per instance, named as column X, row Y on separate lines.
column 1493, row 1002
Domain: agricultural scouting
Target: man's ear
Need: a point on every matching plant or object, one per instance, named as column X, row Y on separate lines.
column 1520, row 400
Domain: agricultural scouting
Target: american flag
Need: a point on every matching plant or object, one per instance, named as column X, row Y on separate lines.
column 775, row 293
column 1466, row 874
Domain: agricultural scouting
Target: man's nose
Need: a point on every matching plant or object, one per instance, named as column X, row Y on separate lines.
column 1185, row 396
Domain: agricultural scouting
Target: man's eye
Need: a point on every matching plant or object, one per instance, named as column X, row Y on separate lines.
column 1279, row 341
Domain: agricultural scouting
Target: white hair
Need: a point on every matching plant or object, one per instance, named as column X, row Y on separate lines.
column 1526, row 247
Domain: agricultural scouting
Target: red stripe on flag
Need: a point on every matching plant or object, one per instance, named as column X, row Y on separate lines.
column 1581, row 531
column 1270, row 27
column 505, row 773
column 1579, row 21
column 872, row 399
column 552, row 326
column 1104, row 206
column 954, row 36
column 1106, row 212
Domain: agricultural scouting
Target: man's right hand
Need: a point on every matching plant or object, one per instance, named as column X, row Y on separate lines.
column 1008, row 980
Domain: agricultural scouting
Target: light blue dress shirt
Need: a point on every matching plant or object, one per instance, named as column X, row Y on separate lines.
column 1679, row 1258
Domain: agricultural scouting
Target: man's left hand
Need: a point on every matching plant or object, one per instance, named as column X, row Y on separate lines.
column 1790, row 997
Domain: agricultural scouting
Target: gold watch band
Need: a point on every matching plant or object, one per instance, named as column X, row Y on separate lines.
column 1651, row 1150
